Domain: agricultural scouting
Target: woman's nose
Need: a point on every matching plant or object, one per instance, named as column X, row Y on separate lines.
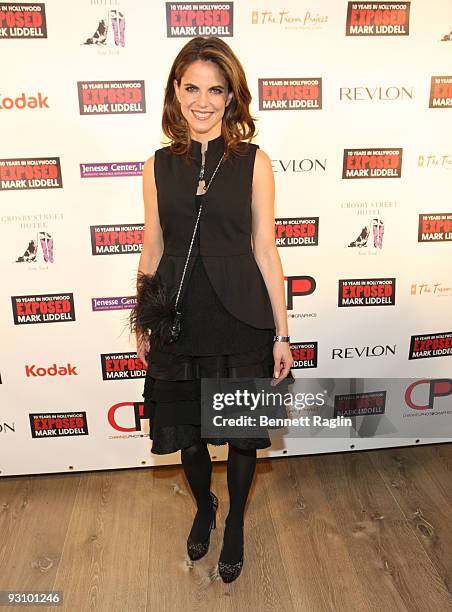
column 203, row 98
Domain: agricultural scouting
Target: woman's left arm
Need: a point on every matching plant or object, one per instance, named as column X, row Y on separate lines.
column 267, row 256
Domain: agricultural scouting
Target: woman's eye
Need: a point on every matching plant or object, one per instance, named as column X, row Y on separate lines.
column 192, row 88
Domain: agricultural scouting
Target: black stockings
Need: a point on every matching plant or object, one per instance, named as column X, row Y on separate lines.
column 240, row 471
column 198, row 470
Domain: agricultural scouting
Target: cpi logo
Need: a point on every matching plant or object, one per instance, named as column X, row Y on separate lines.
column 137, row 408
column 298, row 286
column 437, row 387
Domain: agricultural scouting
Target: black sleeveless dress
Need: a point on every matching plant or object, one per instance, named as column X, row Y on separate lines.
column 213, row 343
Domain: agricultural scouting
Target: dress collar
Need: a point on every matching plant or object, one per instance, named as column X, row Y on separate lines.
column 215, row 148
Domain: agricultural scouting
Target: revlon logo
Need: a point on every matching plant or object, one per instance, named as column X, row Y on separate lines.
column 299, row 165
column 351, row 352
column 391, row 92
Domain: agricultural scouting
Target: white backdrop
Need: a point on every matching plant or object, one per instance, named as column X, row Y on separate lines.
column 324, row 89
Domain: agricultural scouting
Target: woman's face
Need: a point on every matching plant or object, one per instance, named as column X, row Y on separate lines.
column 203, row 96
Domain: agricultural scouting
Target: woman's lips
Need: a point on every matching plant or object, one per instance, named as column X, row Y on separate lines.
column 201, row 116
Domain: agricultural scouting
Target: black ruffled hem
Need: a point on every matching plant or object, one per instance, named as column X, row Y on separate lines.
column 256, row 363
column 171, row 438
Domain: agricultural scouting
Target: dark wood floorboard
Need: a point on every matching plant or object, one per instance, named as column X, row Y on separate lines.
column 362, row 531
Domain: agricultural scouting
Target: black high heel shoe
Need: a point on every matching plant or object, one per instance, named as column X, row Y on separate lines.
column 230, row 571
column 197, row 550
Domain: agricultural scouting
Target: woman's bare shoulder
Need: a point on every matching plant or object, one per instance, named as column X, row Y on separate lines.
column 262, row 170
column 149, row 163
column 149, row 166
column 262, row 156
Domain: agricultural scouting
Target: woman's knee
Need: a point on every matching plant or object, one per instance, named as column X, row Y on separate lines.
column 194, row 449
column 248, row 452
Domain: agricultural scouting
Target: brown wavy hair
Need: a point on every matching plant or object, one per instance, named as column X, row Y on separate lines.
column 237, row 123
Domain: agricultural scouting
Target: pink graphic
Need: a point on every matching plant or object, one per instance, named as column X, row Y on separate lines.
column 119, row 23
column 378, row 231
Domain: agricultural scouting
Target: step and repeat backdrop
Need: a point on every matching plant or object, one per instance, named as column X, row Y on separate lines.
column 352, row 102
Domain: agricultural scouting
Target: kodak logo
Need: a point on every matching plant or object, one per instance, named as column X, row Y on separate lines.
column 24, row 101
column 53, row 370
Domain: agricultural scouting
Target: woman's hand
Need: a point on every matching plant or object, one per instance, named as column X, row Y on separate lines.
column 283, row 361
column 143, row 346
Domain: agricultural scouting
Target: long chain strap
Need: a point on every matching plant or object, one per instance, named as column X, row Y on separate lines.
column 201, row 174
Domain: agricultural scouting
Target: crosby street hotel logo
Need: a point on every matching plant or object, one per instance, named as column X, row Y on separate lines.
column 378, row 19
column 111, row 27
column 22, row 20
column 372, row 163
column 290, row 94
column 199, row 19
column 440, row 92
column 111, row 97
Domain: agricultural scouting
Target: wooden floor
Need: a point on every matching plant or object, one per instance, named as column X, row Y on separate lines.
column 341, row 532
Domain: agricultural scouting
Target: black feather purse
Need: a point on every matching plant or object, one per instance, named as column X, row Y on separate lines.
column 156, row 310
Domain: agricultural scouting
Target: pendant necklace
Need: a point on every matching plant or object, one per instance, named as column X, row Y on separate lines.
column 201, row 181
column 202, row 187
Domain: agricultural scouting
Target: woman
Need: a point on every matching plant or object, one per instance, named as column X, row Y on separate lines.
column 232, row 298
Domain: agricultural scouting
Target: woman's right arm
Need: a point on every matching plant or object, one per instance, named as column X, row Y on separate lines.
column 152, row 249
column 153, row 238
